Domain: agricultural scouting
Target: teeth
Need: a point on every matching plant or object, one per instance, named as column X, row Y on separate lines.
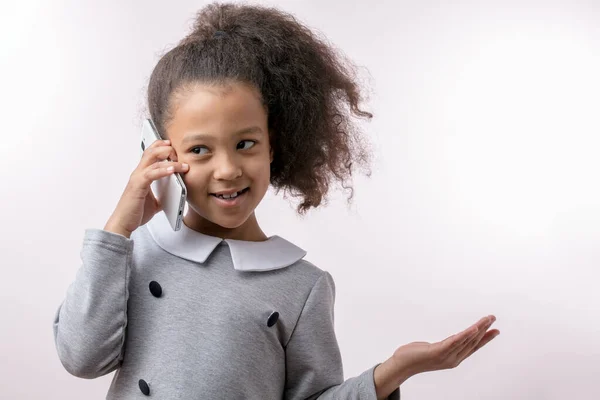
column 229, row 196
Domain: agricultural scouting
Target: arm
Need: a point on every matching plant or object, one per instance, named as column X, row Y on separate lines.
column 89, row 326
column 314, row 367
column 313, row 361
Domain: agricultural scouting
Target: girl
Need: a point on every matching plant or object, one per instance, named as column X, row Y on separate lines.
column 250, row 98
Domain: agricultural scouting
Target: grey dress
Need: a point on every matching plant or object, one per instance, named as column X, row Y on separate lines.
column 183, row 315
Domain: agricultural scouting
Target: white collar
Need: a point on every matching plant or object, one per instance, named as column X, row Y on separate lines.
column 273, row 253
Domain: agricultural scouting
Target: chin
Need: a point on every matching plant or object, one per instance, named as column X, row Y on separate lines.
column 229, row 222
column 220, row 218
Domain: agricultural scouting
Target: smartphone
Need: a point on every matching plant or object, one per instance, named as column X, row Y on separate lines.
column 169, row 190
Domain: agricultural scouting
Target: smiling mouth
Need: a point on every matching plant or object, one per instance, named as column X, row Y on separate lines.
column 230, row 196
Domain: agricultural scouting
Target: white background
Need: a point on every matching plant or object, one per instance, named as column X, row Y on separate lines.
column 484, row 197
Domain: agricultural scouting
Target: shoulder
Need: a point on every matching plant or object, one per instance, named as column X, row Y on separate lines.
column 307, row 267
column 307, row 275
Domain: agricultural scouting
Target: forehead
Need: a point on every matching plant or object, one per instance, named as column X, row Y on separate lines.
column 217, row 107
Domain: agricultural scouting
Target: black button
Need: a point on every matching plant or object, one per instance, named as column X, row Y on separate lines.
column 144, row 387
column 272, row 319
column 155, row 289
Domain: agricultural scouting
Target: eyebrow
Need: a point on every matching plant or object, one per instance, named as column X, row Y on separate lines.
column 204, row 136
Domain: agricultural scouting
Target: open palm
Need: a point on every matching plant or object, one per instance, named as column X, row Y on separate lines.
column 450, row 352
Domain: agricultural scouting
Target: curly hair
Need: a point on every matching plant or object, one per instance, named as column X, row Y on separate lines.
column 308, row 89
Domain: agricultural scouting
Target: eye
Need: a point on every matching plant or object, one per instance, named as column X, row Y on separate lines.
column 200, row 148
column 252, row 143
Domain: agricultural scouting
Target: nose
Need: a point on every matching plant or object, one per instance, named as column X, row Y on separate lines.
column 227, row 167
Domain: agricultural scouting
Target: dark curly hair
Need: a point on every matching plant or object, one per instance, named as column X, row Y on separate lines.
column 308, row 89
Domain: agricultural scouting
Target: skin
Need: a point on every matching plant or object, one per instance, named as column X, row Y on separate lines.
column 419, row 357
column 224, row 165
column 223, row 159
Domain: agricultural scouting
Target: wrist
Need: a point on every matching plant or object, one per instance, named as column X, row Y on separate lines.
column 116, row 228
column 403, row 370
column 388, row 376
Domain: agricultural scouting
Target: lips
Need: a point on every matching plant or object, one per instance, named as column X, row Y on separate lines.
column 231, row 203
column 224, row 194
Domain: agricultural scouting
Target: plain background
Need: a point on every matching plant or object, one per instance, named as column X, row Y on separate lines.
column 484, row 197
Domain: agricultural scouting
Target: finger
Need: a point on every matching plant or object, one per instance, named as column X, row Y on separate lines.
column 166, row 143
column 165, row 164
column 178, row 166
column 157, row 143
column 173, row 154
column 485, row 340
column 152, row 174
column 483, row 322
column 161, row 169
column 482, row 325
column 461, row 338
column 458, row 341
column 157, row 153
column 465, row 350
column 449, row 344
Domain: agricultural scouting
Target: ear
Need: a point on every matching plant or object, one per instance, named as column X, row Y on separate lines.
column 271, row 154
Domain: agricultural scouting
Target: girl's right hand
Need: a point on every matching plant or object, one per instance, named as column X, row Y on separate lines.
column 137, row 204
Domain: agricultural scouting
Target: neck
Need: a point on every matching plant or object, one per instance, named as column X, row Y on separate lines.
column 248, row 231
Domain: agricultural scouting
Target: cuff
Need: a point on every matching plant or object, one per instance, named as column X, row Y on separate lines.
column 111, row 240
column 367, row 386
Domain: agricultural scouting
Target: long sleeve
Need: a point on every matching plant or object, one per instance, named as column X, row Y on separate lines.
column 89, row 325
column 313, row 360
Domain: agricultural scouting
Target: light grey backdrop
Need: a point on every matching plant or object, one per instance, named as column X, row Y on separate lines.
column 484, row 197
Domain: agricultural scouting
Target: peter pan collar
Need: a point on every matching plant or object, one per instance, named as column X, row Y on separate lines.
column 273, row 253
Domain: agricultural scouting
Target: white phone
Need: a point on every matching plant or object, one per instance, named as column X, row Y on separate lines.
column 169, row 190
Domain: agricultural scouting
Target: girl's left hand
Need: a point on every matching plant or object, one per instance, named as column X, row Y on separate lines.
column 418, row 357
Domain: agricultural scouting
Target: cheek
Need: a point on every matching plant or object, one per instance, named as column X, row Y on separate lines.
column 195, row 180
column 259, row 170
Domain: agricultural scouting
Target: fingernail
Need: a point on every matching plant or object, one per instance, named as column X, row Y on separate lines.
column 167, row 141
column 185, row 165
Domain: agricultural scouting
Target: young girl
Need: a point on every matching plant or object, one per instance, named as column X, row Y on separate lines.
column 250, row 98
